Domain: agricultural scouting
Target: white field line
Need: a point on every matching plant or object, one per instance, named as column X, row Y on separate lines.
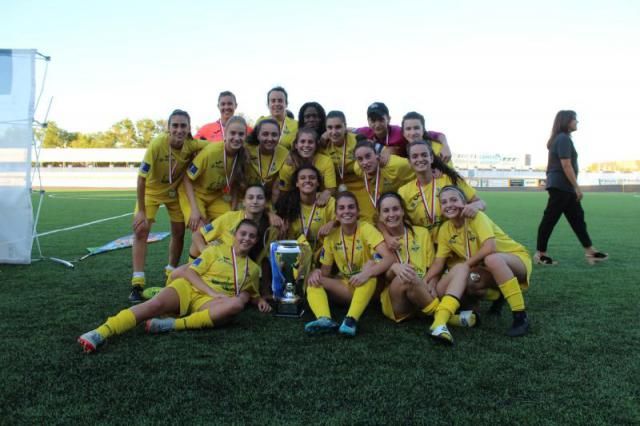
column 82, row 225
column 106, row 198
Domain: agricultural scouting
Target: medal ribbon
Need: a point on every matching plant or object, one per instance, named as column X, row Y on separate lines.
column 374, row 199
column 171, row 169
column 305, row 228
column 221, row 128
column 237, row 286
column 353, row 248
column 227, row 178
column 467, row 243
column 406, row 246
column 263, row 179
column 284, row 126
column 431, row 214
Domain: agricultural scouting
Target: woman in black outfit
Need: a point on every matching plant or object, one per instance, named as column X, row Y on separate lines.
column 563, row 189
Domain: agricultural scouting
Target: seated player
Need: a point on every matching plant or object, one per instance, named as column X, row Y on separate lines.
column 500, row 262
column 300, row 210
column 351, row 247
column 407, row 293
column 215, row 288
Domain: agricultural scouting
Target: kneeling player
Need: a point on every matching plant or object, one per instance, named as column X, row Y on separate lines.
column 214, row 288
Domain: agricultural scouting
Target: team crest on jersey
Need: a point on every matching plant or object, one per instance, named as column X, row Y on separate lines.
column 452, row 240
column 193, row 169
column 145, row 167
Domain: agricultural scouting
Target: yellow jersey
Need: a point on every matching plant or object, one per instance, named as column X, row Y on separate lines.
column 216, row 267
column 163, row 166
column 321, row 162
column 421, row 251
column 321, row 216
column 264, row 169
column 467, row 240
column 423, row 204
column 351, row 252
column 393, row 175
column 208, row 173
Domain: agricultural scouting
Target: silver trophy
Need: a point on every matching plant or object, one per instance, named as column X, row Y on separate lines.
column 290, row 264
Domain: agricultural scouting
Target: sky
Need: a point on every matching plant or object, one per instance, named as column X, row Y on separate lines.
column 489, row 74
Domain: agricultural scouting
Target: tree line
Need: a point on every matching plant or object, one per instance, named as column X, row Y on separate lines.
column 123, row 134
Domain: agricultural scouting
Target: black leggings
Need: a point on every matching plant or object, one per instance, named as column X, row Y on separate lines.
column 562, row 202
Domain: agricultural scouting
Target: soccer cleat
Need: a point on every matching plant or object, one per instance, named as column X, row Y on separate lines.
column 160, row 325
column 442, row 334
column 349, row 327
column 91, row 341
column 468, row 319
column 496, row 306
column 520, row 325
column 322, row 325
column 136, row 295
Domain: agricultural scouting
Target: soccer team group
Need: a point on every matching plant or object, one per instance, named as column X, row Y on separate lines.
column 381, row 207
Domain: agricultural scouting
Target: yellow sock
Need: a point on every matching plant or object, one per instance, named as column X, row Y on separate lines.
column 195, row 321
column 492, row 294
column 137, row 281
column 361, row 297
column 318, row 301
column 447, row 307
column 431, row 307
column 118, row 324
column 513, row 294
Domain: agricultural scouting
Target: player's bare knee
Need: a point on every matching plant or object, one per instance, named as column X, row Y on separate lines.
column 493, row 261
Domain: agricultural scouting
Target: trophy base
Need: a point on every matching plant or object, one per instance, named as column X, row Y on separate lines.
column 288, row 310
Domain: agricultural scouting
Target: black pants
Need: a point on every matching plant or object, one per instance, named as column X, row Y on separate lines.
column 562, row 202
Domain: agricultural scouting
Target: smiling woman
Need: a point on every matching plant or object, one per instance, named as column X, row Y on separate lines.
column 213, row 289
column 216, row 177
column 160, row 174
column 277, row 101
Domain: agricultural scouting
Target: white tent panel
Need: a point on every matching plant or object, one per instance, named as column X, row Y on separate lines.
column 17, row 85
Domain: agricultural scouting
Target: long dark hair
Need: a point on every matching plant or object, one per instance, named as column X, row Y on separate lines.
column 437, row 162
column 406, row 219
column 263, row 226
column 253, row 137
column 288, row 205
column 322, row 116
column 561, row 124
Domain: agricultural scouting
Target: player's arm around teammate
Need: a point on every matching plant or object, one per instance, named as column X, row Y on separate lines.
column 217, row 287
column 499, row 262
column 408, row 291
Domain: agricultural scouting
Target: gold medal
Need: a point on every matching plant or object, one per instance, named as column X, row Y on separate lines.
column 227, row 198
column 342, row 187
column 172, row 193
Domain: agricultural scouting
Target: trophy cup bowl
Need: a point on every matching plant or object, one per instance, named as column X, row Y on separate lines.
column 290, row 264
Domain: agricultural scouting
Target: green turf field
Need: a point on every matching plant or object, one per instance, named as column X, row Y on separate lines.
column 579, row 365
